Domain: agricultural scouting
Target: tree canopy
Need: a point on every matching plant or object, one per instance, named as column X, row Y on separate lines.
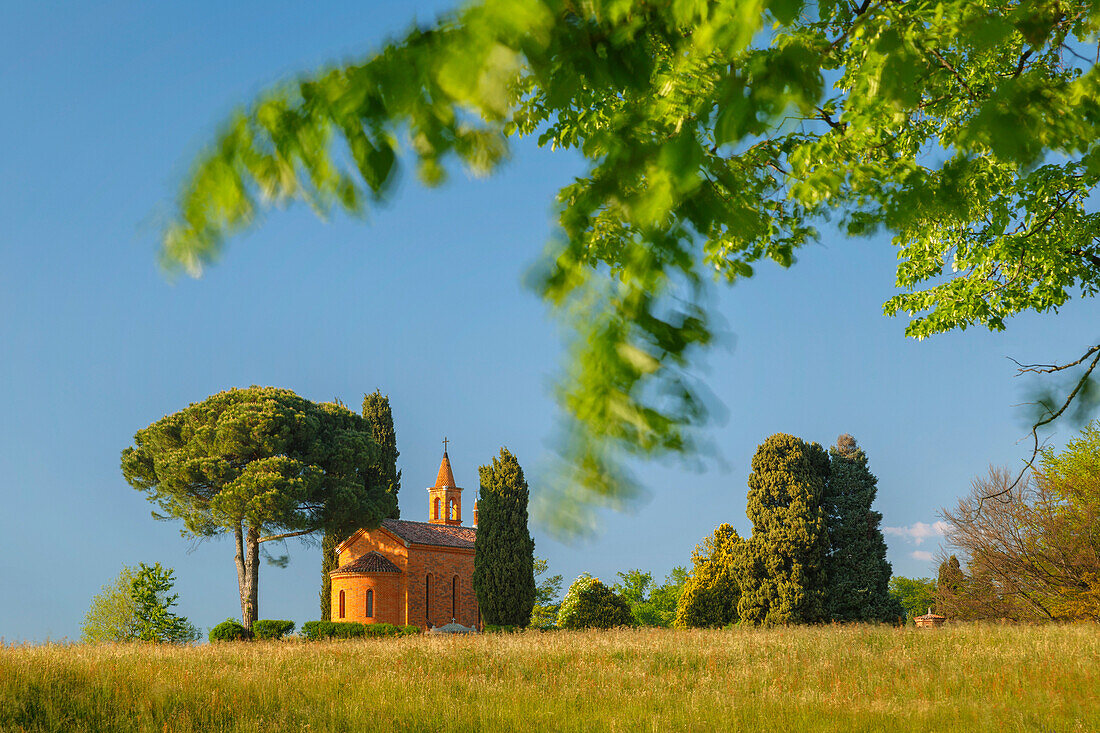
column 263, row 464
column 717, row 136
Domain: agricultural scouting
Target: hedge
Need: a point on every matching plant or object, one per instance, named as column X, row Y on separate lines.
column 316, row 630
column 229, row 630
column 267, row 628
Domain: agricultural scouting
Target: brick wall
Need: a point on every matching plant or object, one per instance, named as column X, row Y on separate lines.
column 389, row 598
column 445, row 565
column 399, row 598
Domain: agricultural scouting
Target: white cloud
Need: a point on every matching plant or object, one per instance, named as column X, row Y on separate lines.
column 921, row 555
column 918, row 532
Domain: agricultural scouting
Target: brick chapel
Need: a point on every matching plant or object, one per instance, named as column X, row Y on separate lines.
column 411, row 573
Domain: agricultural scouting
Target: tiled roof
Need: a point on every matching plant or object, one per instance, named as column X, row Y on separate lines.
column 372, row 562
column 445, row 477
column 422, row 533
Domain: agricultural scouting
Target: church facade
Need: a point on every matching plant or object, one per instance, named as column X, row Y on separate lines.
column 411, row 573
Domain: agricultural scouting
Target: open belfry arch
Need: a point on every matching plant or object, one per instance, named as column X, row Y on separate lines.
column 445, row 498
column 404, row 572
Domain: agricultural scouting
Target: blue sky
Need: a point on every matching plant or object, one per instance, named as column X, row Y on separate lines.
column 104, row 108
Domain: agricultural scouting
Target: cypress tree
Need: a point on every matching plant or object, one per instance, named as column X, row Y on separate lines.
column 383, row 471
column 950, row 587
column 782, row 570
column 504, row 578
column 857, row 572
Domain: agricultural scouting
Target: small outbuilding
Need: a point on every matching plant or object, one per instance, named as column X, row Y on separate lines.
column 929, row 620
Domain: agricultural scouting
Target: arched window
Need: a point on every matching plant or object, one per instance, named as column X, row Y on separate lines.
column 341, row 604
column 428, row 596
column 454, row 510
column 370, row 604
column 436, row 516
column 454, row 597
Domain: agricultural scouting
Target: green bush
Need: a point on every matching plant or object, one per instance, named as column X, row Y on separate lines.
column 500, row 629
column 317, row 630
column 589, row 604
column 268, row 629
column 230, row 630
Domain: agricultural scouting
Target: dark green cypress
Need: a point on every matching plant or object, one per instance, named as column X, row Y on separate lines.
column 376, row 409
column 950, row 587
column 504, row 578
column 782, row 571
column 857, row 572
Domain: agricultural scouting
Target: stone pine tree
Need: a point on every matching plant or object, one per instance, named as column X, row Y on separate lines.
column 712, row 591
column 262, row 465
column 783, row 568
column 504, row 577
column 856, row 570
column 383, row 472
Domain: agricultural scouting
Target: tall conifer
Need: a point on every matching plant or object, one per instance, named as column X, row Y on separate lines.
column 376, row 409
column 504, row 577
column 857, row 572
column 783, row 566
column 950, row 588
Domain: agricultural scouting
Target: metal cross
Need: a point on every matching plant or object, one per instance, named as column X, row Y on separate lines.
column 445, row 441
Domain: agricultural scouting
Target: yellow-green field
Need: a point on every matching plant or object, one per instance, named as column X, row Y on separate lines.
column 1000, row 678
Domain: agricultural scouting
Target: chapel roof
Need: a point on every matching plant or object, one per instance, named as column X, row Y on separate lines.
column 372, row 562
column 423, row 533
column 445, row 478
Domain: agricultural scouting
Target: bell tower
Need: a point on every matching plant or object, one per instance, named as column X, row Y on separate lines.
column 445, row 499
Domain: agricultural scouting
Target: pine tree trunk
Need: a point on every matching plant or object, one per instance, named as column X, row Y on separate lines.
column 242, row 571
column 250, row 610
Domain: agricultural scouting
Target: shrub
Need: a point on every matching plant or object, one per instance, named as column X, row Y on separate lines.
column 591, row 604
column 500, row 629
column 230, row 630
column 268, row 629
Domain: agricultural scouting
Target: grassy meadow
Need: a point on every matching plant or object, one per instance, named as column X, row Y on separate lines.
column 962, row 677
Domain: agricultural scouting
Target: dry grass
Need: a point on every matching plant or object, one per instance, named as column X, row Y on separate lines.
column 822, row 678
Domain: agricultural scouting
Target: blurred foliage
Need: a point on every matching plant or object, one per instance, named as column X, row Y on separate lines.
column 717, row 136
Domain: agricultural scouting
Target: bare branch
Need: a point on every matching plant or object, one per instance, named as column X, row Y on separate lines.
column 1052, row 414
